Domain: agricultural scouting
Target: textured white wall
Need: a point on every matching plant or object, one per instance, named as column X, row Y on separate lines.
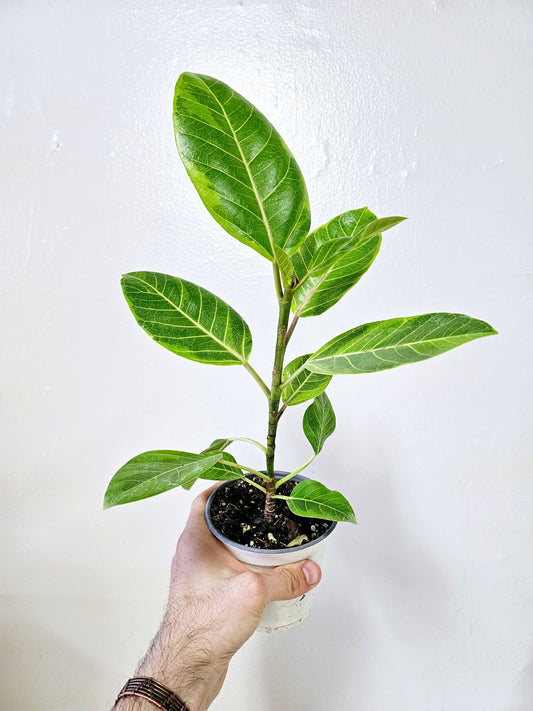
column 415, row 107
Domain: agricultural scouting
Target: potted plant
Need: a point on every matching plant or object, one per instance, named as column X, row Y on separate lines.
column 251, row 184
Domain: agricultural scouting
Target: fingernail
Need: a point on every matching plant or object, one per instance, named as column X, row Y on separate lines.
column 311, row 572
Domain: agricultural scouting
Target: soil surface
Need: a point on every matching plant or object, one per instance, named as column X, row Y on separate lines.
column 238, row 513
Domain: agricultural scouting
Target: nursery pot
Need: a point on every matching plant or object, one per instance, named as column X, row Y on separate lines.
column 284, row 614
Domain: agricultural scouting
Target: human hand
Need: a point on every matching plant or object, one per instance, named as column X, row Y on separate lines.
column 214, row 606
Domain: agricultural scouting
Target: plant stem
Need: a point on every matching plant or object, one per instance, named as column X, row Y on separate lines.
column 275, row 395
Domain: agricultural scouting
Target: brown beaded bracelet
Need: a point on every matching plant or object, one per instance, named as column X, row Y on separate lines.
column 152, row 691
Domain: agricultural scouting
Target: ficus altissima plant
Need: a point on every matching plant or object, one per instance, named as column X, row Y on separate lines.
column 251, row 184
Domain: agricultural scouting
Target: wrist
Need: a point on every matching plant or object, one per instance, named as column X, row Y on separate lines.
column 133, row 703
column 181, row 680
column 146, row 693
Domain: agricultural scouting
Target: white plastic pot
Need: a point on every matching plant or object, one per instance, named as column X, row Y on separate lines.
column 285, row 614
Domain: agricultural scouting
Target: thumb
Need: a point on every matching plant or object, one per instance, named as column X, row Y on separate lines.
column 286, row 582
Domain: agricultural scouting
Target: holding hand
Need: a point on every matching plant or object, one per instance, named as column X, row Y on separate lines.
column 214, row 606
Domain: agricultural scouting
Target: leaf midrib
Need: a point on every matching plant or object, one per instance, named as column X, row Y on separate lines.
column 314, row 502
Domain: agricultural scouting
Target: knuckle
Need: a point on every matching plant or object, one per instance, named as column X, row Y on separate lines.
column 293, row 582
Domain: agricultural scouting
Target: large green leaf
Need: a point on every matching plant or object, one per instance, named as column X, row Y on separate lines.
column 319, row 422
column 312, row 499
column 239, row 164
column 187, row 319
column 387, row 344
column 305, row 386
column 338, row 261
column 153, row 472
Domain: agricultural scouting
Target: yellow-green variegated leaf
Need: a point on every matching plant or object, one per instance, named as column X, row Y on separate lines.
column 319, row 422
column 244, row 173
column 312, row 499
column 332, row 259
column 153, row 472
column 187, row 319
column 305, row 386
column 388, row 344
column 285, row 266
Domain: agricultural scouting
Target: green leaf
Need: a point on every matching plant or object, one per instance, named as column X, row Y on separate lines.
column 222, row 472
column 319, row 422
column 387, row 344
column 327, row 271
column 187, row 319
column 239, row 164
column 326, row 255
column 285, row 265
column 153, row 472
column 380, row 225
column 189, row 484
column 305, row 386
column 312, row 499
column 218, row 445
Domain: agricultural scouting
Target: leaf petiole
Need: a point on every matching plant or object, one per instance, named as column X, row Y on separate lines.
column 277, row 280
column 235, row 465
column 295, row 472
column 250, row 440
column 257, row 486
column 258, row 379
column 291, row 328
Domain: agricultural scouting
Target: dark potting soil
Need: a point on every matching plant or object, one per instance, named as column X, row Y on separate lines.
column 238, row 513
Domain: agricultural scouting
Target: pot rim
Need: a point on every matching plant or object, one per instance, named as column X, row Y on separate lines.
column 267, row 551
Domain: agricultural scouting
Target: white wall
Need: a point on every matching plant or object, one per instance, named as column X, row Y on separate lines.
column 415, row 107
